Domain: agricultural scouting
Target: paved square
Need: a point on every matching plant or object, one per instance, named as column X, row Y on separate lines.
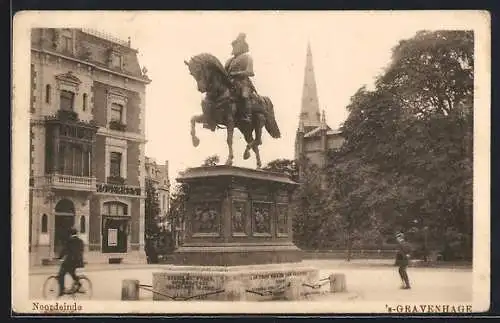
column 364, row 283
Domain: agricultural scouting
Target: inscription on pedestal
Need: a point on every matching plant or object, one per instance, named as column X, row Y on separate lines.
column 258, row 284
column 199, row 283
column 261, row 216
column 206, row 218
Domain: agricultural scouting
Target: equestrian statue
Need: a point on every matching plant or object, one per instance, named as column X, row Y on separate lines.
column 231, row 100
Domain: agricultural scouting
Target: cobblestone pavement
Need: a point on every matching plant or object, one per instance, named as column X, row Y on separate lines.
column 364, row 282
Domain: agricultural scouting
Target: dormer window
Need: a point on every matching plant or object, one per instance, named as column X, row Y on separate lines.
column 116, row 60
column 67, row 44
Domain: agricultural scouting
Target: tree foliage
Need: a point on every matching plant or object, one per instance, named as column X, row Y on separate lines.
column 407, row 155
column 211, row 160
column 152, row 208
column 406, row 161
column 432, row 73
column 284, row 166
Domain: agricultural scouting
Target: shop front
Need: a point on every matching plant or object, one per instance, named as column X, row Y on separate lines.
column 115, row 228
column 116, row 224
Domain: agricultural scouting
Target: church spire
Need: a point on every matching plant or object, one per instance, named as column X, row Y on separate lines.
column 309, row 113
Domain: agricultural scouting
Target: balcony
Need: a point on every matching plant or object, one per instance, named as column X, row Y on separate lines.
column 66, row 182
column 117, row 125
column 67, row 115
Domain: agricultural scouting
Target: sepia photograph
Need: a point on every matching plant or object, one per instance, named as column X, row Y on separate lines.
column 251, row 162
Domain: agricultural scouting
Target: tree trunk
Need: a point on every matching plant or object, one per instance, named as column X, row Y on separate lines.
column 349, row 246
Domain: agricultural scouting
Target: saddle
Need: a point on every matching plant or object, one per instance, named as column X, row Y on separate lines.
column 257, row 104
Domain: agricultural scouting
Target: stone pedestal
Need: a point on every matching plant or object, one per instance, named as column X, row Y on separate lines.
column 238, row 243
column 237, row 216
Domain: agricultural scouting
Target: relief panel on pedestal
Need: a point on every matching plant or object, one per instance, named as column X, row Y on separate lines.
column 282, row 220
column 205, row 221
column 261, row 219
column 239, row 219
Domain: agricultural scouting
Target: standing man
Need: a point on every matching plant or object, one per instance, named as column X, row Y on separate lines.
column 402, row 260
column 240, row 68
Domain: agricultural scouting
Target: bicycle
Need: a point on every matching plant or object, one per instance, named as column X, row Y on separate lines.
column 51, row 288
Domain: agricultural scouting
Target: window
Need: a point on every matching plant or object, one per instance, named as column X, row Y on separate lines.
column 84, row 101
column 67, row 98
column 67, row 44
column 116, row 60
column 33, row 77
column 115, row 209
column 116, row 112
column 115, row 162
column 82, row 224
column 44, row 223
column 47, row 93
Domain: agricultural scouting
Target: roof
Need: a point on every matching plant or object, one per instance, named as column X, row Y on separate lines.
column 329, row 132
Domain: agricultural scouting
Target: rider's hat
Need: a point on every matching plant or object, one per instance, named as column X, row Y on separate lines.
column 241, row 39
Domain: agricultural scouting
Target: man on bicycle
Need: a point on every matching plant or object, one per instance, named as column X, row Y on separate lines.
column 72, row 253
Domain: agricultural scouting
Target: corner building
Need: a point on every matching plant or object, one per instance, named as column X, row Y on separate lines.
column 87, row 145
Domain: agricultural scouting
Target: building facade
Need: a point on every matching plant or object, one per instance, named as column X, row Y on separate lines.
column 313, row 137
column 157, row 174
column 87, row 145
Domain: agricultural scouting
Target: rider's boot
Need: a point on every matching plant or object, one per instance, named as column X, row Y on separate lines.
column 245, row 112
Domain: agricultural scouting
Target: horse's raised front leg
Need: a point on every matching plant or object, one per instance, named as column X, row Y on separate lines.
column 247, row 133
column 194, row 121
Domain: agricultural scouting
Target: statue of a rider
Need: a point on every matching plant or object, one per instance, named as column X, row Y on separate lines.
column 240, row 68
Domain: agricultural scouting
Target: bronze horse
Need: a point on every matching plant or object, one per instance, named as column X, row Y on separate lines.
column 220, row 107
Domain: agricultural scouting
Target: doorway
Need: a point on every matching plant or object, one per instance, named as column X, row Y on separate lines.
column 64, row 220
column 63, row 223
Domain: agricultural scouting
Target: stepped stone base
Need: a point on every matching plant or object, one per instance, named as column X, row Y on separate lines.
column 236, row 255
column 234, row 283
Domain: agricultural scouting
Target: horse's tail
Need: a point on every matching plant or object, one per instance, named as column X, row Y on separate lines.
column 271, row 125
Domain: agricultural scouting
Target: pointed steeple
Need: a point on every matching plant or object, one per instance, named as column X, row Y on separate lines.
column 301, row 127
column 309, row 113
column 323, row 125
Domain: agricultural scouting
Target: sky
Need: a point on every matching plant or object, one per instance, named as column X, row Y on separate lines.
column 349, row 50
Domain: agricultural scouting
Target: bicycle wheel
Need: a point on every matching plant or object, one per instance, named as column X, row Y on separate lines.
column 85, row 290
column 51, row 288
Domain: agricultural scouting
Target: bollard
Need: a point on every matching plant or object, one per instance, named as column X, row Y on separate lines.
column 337, row 283
column 293, row 291
column 130, row 290
column 235, row 291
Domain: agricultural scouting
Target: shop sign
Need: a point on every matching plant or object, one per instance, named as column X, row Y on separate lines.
column 118, row 189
